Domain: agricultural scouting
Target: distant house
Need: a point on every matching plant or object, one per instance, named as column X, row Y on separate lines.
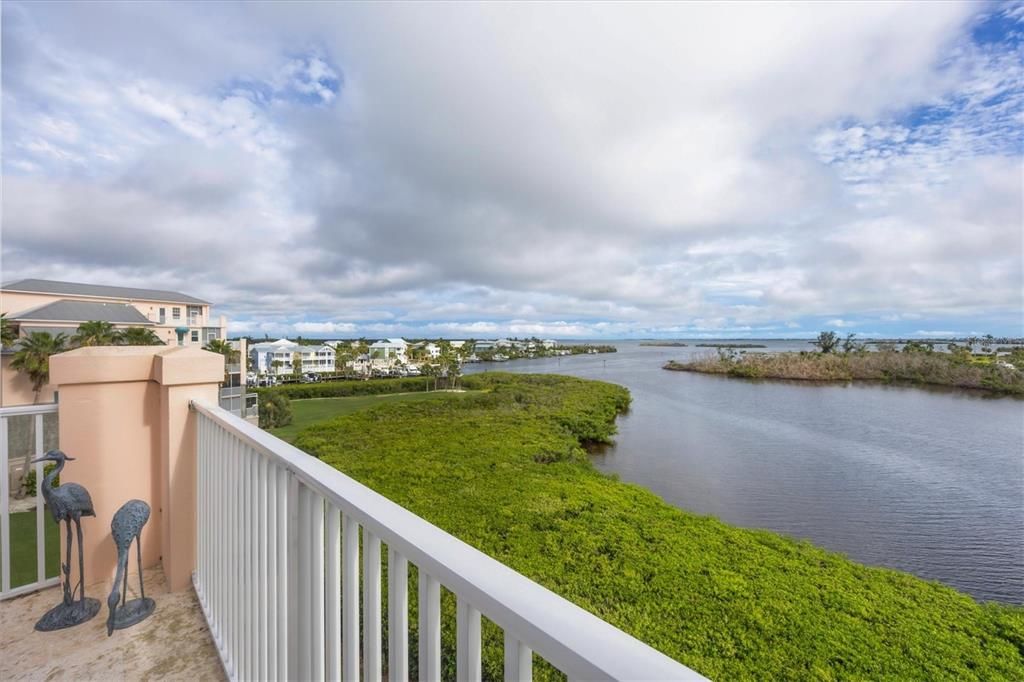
column 456, row 344
column 484, row 346
column 388, row 351
column 48, row 305
column 313, row 359
column 432, row 350
column 549, row 343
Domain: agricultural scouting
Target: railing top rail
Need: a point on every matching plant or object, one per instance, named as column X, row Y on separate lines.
column 569, row 637
column 45, row 408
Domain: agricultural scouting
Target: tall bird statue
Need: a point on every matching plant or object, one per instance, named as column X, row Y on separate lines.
column 124, row 527
column 68, row 502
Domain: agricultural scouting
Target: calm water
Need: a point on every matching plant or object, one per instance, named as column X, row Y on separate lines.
column 930, row 482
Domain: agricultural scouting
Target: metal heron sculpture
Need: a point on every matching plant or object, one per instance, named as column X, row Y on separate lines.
column 68, row 502
column 124, row 527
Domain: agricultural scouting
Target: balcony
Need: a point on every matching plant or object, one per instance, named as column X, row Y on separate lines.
column 297, row 570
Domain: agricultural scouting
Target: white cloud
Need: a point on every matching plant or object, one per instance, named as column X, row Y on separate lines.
column 519, row 169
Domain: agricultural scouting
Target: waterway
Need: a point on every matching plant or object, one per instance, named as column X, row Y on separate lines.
column 926, row 481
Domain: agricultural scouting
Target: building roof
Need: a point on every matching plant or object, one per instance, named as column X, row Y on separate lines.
column 83, row 311
column 48, row 286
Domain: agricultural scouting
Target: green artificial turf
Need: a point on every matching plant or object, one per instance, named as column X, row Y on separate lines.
column 505, row 471
column 23, row 547
column 312, row 411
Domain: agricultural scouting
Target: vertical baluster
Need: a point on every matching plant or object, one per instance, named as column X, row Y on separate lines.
column 261, row 560
column 518, row 660
column 248, row 638
column 467, row 626
column 270, row 516
column 350, row 598
column 284, row 616
column 5, row 523
column 223, row 530
column 430, row 628
column 236, row 553
column 40, row 518
column 305, row 568
column 294, row 579
column 333, row 593
column 398, row 617
column 201, row 520
column 202, row 505
column 371, row 606
column 316, row 586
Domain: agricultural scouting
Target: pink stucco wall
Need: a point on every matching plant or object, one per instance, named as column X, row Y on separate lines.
column 124, row 416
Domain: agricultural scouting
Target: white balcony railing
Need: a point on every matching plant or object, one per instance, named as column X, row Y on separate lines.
column 28, row 421
column 278, row 578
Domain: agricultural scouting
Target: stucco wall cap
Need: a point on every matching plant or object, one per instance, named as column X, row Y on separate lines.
column 188, row 365
column 103, row 364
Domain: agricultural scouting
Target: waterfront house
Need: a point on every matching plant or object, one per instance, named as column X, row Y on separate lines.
column 277, row 357
column 388, row 352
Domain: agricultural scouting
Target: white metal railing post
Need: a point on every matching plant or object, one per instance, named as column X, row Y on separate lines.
column 316, row 586
column 350, row 598
column 40, row 520
column 333, row 593
column 398, row 617
column 371, row 607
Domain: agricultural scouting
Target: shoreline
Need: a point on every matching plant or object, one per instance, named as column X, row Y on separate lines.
column 890, row 368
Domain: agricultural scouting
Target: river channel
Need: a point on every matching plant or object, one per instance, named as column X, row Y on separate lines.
column 926, row 481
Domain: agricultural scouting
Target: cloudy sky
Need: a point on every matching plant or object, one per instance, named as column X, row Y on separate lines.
column 572, row 170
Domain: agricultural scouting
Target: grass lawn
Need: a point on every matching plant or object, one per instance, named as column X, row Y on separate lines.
column 312, row 411
column 23, row 547
column 504, row 470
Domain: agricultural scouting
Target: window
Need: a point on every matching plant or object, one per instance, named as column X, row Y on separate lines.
column 195, row 336
column 176, row 313
column 163, row 315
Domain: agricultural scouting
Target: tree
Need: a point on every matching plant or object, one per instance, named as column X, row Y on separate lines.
column 850, row 344
column 827, row 342
column 94, row 333
column 224, row 348
column 296, row 364
column 8, row 333
column 137, row 336
column 33, row 357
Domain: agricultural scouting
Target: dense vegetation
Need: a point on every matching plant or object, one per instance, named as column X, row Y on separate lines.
column 505, row 471
column 918, row 366
column 343, row 388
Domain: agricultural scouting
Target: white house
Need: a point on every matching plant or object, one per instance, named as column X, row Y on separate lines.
column 432, row 350
column 313, row 358
column 388, row 352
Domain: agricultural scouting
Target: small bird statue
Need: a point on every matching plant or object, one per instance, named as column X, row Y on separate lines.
column 68, row 502
column 124, row 527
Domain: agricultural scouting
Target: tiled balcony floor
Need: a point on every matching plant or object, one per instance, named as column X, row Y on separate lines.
column 174, row 643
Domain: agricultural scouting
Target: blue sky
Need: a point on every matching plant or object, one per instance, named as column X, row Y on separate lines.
column 563, row 170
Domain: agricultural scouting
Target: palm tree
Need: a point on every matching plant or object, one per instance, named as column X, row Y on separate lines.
column 94, row 333
column 222, row 347
column 137, row 336
column 33, row 357
column 8, row 333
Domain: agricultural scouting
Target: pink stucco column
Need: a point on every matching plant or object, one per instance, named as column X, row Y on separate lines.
column 124, row 417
